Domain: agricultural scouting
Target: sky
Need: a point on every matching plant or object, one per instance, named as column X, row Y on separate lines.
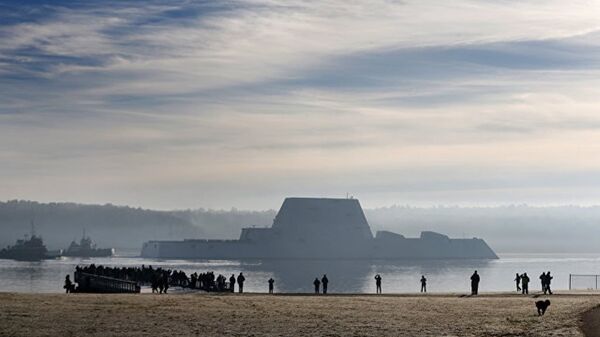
column 220, row 104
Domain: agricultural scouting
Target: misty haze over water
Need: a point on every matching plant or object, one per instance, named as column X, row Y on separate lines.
column 507, row 229
column 346, row 276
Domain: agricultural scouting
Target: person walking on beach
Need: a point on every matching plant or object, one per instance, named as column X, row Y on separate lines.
column 423, row 284
column 271, row 282
column 325, row 281
column 525, row 284
column 240, row 281
column 317, row 284
column 475, row 283
column 518, row 281
column 232, row 283
column 548, row 281
column 378, row 283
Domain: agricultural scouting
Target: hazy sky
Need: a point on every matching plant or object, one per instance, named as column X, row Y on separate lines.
column 227, row 103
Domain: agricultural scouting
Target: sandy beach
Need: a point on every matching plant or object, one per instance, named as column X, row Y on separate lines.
column 293, row 315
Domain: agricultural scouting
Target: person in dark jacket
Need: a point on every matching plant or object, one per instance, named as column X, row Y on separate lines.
column 232, row 283
column 317, row 284
column 475, row 283
column 525, row 283
column 548, row 281
column 423, row 284
column 325, row 281
column 240, row 281
column 69, row 287
column 271, row 282
column 378, row 283
column 543, row 282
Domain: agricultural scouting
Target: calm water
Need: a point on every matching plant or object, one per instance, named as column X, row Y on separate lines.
column 344, row 276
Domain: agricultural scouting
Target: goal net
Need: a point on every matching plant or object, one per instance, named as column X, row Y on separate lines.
column 583, row 282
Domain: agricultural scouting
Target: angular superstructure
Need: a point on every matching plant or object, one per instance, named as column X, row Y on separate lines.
column 324, row 229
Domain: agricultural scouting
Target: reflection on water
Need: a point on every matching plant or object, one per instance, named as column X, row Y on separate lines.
column 345, row 276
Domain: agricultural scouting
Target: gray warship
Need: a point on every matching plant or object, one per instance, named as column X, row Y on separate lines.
column 31, row 248
column 321, row 228
column 86, row 248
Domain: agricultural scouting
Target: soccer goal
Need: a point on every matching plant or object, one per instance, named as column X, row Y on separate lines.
column 583, row 282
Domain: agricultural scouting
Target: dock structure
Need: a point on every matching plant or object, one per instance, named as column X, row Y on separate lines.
column 90, row 283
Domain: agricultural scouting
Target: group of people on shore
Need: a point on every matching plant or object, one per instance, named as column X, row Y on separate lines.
column 324, row 281
column 208, row 282
column 522, row 282
column 160, row 280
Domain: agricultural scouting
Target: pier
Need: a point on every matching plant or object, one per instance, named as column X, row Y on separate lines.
column 89, row 283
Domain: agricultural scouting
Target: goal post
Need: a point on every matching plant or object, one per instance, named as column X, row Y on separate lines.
column 583, row 281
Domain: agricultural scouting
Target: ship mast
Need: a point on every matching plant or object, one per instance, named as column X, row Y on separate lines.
column 32, row 228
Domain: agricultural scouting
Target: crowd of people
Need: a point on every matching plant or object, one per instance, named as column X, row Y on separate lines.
column 522, row 282
column 220, row 283
column 160, row 280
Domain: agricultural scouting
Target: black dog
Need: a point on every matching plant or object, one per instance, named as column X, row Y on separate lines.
column 542, row 306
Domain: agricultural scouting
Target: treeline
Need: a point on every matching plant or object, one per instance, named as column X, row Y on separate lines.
column 120, row 226
column 519, row 228
column 108, row 225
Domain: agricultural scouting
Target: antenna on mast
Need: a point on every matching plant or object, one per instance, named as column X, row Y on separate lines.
column 32, row 228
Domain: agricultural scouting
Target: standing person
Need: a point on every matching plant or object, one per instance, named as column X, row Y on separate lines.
column 317, row 283
column 543, row 282
column 475, row 283
column 548, row 281
column 271, row 282
column 166, row 282
column 240, row 281
column 232, row 283
column 154, row 284
column 518, row 281
column 378, row 283
column 161, row 285
column 325, row 281
column 423, row 284
column 525, row 283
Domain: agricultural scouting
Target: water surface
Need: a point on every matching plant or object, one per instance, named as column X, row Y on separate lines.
column 345, row 276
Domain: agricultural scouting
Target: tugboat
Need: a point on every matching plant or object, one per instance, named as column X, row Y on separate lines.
column 86, row 248
column 32, row 249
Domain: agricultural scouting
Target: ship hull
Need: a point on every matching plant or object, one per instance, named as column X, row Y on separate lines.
column 36, row 254
column 91, row 253
column 412, row 249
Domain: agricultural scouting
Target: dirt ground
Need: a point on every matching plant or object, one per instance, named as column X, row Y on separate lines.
column 290, row 315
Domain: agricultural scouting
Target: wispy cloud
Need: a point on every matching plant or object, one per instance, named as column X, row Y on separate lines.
column 186, row 103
